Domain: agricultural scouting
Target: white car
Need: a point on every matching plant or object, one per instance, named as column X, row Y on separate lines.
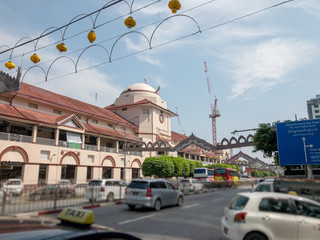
column 271, row 216
column 187, row 185
column 14, row 186
column 105, row 190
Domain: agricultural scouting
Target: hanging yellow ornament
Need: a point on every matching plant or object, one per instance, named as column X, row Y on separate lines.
column 92, row 36
column 174, row 5
column 35, row 58
column 130, row 22
column 10, row 65
column 62, row 47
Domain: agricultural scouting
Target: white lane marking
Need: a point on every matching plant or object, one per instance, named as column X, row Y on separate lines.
column 217, row 199
column 190, row 206
column 136, row 219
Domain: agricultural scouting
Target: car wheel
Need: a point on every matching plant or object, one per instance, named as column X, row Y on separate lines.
column 180, row 201
column 157, row 205
column 110, row 197
column 131, row 207
column 255, row 236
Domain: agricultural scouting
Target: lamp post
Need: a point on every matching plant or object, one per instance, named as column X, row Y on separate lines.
column 124, row 151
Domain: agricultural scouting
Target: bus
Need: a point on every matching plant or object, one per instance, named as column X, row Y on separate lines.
column 228, row 176
column 204, row 174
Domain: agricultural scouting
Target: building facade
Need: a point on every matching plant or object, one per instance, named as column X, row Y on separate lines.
column 45, row 137
column 313, row 106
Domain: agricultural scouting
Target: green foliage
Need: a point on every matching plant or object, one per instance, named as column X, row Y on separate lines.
column 265, row 140
column 162, row 167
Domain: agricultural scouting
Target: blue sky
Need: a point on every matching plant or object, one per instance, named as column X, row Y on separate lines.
column 262, row 67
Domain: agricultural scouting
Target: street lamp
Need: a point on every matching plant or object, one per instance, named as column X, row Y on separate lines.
column 124, row 151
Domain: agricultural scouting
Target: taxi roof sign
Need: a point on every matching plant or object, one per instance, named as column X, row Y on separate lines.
column 76, row 215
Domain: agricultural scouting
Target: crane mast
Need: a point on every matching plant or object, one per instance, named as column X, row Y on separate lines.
column 214, row 111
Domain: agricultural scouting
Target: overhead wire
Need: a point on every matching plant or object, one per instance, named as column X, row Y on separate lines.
column 150, row 24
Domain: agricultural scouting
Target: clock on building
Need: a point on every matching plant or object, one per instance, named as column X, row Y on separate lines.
column 161, row 118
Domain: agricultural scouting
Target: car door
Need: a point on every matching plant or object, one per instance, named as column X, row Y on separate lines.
column 278, row 218
column 123, row 186
column 172, row 194
column 163, row 193
column 308, row 217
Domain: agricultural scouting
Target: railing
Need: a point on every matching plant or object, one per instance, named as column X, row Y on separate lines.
column 45, row 141
column 90, row 147
column 108, row 149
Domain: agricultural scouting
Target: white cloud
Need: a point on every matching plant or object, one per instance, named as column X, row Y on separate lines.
column 257, row 68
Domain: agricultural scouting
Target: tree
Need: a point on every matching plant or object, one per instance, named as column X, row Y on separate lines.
column 265, row 140
column 158, row 166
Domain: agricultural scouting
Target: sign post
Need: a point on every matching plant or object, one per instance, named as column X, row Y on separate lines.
column 299, row 142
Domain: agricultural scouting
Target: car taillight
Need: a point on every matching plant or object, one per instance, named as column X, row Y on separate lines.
column 102, row 189
column 190, row 185
column 125, row 191
column 240, row 217
column 149, row 193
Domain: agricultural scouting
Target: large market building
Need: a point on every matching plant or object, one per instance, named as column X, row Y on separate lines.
column 45, row 137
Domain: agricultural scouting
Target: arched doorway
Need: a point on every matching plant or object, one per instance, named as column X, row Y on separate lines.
column 12, row 163
column 108, row 165
column 135, row 169
column 69, row 163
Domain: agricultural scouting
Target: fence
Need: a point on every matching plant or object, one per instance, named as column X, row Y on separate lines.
column 53, row 197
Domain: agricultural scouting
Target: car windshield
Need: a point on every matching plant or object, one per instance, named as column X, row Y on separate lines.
column 185, row 181
column 95, row 183
column 238, row 202
column 263, row 188
column 14, row 183
column 138, row 184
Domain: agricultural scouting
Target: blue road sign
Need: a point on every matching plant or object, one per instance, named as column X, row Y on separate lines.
column 299, row 142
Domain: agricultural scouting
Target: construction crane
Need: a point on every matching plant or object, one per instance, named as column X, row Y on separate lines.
column 214, row 111
column 179, row 121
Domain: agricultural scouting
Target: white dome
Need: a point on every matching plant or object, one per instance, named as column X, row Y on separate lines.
column 140, row 87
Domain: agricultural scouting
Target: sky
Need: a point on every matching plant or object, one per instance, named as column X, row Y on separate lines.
column 262, row 56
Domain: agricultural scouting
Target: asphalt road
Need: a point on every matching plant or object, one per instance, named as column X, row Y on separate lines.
column 199, row 218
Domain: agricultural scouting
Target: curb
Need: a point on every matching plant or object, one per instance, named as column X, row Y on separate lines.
column 40, row 213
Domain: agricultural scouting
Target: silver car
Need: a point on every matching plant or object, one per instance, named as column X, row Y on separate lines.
column 152, row 193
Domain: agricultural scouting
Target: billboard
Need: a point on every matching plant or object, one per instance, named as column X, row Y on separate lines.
column 299, row 142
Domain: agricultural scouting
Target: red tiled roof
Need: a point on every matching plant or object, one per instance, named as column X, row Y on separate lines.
column 141, row 102
column 24, row 114
column 177, row 136
column 67, row 102
column 20, row 113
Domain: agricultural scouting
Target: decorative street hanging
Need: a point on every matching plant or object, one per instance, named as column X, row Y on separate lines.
column 174, row 5
column 61, row 47
column 130, row 22
column 92, row 36
column 35, row 58
column 10, row 65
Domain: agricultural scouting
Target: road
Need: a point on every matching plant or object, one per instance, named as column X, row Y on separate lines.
column 199, row 218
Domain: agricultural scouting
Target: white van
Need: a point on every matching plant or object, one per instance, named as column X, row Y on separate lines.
column 105, row 190
column 13, row 186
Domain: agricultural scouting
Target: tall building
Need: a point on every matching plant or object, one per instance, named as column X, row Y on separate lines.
column 313, row 106
column 45, row 137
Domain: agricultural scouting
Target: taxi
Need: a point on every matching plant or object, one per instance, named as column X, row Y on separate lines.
column 72, row 223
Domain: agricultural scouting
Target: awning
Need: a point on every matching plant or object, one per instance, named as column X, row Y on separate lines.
column 74, row 137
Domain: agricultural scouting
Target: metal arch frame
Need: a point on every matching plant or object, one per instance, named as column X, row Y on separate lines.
column 18, row 43
column 94, row 45
column 46, row 77
column 107, row 5
column 142, row 146
column 85, row 15
column 178, row 15
column 36, row 66
column 111, row 51
column 35, row 46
